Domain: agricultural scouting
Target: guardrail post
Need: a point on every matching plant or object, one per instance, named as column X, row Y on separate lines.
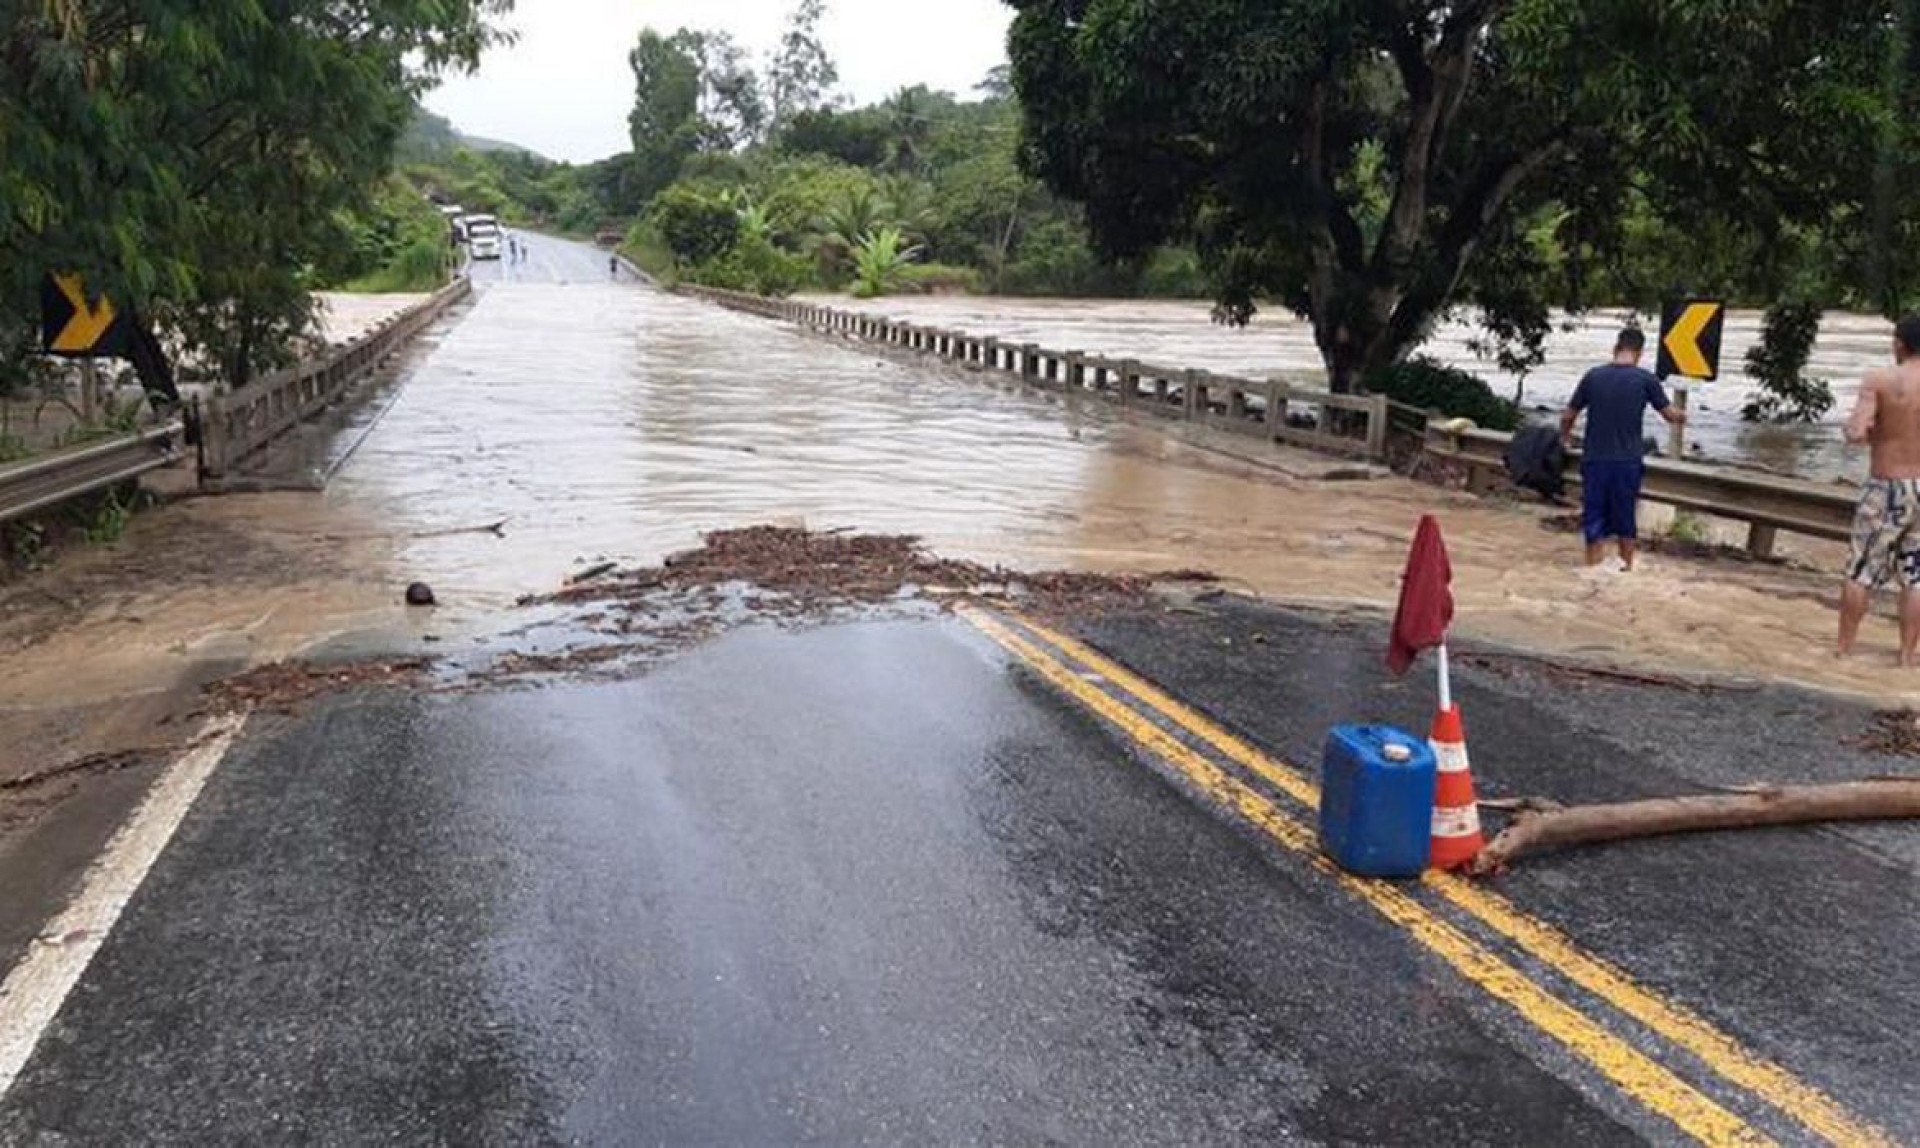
column 1277, row 395
column 1377, row 417
column 1760, row 539
column 1076, row 370
column 1129, row 381
column 990, row 352
column 1193, row 394
column 1029, row 365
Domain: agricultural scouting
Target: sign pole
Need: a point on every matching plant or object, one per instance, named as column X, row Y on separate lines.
column 1690, row 337
column 89, row 386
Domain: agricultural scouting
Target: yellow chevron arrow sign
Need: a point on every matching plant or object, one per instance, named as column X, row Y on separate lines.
column 74, row 325
column 1690, row 339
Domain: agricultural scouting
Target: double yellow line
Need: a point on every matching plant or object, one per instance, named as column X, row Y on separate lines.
column 1639, row 1076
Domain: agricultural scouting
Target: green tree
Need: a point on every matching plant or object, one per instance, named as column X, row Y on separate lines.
column 664, row 120
column 1778, row 363
column 910, row 127
column 176, row 153
column 733, row 111
column 801, row 75
column 697, row 227
column 1268, row 131
column 858, row 138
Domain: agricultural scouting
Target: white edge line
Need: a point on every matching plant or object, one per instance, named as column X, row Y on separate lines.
column 33, row 992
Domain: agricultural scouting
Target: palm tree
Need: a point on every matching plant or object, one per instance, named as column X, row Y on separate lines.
column 881, row 262
column 909, row 203
column 839, row 229
column 909, row 128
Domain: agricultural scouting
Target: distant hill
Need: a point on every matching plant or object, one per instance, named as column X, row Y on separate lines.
column 430, row 138
column 481, row 143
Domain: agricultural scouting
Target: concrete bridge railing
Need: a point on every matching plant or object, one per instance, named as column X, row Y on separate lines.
column 236, row 425
column 1267, row 408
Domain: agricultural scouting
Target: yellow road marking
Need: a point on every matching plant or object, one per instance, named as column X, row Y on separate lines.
column 1723, row 1054
column 1633, row 1072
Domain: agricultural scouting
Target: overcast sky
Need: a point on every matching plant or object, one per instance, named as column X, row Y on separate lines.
column 564, row 88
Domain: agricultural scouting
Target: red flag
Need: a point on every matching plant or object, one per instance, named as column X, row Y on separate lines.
column 1426, row 598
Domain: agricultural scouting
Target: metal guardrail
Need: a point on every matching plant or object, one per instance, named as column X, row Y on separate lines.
column 1245, row 406
column 52, row 479
column 239, row 424
column 234, row 426
column 1767, row 503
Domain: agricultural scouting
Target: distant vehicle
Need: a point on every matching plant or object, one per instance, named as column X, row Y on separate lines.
column 453, row 213
column 609, row 238
column 485, row 240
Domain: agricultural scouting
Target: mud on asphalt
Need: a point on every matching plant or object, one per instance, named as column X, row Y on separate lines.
column 614, row 622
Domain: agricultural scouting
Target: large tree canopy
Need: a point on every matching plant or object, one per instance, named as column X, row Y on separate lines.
column 1373, row 163
column 198, row 157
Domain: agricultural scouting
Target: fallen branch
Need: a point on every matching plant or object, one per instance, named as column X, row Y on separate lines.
column 497, row 529
column 592, row 572
column 1542, row 825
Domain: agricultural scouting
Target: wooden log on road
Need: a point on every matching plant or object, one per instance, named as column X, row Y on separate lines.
column 1547, row 825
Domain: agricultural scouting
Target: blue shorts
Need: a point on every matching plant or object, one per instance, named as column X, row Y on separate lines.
column 1610, row 498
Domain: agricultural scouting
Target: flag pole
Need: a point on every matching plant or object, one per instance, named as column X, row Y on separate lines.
column 1446, row 681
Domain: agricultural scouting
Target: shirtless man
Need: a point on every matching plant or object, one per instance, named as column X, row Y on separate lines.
column 1886, row 528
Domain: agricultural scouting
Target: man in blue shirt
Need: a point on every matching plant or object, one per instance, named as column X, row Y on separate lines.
column 1615, row 399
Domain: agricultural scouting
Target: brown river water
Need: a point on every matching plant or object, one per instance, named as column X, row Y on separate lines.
column 593, row 421
column 1277, row 344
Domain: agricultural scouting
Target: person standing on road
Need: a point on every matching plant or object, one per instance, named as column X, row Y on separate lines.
column 1886, row 525
column 1613, row 464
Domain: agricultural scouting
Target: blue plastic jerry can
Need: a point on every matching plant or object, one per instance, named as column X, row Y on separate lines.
column 1376, row 801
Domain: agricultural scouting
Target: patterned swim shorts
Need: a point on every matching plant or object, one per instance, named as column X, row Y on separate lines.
column 1886, row 534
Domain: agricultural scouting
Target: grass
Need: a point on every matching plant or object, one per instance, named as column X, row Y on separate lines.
column 420, row 267
column 1687, row 527
column 646, row 250
column 106, row 521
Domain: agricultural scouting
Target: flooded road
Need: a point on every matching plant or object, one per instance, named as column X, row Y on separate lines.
column 602, row 421
column 1180, row 334
column 564, row 419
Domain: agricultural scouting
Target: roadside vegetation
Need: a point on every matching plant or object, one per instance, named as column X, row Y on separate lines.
column 208, row 164
column 1371, row 172
column 1375, row 169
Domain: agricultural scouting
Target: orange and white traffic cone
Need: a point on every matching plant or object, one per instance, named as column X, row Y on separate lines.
column 1456, row 813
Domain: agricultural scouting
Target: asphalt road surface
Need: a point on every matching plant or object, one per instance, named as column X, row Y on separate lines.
column 550, row 261
column 900, row 881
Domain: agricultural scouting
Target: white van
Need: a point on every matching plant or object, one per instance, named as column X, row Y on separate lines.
column 485, row 240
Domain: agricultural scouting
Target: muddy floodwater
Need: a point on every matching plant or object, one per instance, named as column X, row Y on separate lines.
column 1181, row 334
column 595, row 422
column 563, row 420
